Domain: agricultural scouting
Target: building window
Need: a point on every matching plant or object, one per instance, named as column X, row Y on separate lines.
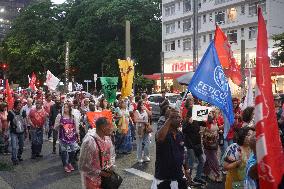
column 178, row 24
column 252, row 33
column 253, row 7
column 204, row 18
column 199, row 22
column 186, row 5
column 210, row 17
column 178, row 43
column 199, row 4
column 170, row 46
column 204, row 38
column 187, row 24
column 232, row 36
column 232, row 14
column 199, row 42
column 220, row 17
column 243, row 9
column 187, row 44
column 170, row 28
column 170, row 10
column 210, row 36
column 242, row 32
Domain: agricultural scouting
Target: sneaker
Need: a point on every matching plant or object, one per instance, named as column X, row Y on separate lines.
column 146, row 159
column 71, row 168
column 200, row 180
column 66, row 169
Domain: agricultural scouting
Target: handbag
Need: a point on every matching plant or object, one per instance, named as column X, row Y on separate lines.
column 111, row 182
column 148, row 128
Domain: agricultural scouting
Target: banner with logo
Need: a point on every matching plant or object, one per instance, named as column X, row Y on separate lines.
column 126, row 68
column 200, row 113
column 109, row 85
column 93, row 116
column 209, row 83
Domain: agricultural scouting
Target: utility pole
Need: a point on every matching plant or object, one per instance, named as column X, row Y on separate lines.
column 195, row 32
column 127, row 40
column 162, row 71
column 128, row 48
column 66, row 67
column 243, row 63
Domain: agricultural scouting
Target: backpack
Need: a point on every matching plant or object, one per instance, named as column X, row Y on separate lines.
column 18, row 122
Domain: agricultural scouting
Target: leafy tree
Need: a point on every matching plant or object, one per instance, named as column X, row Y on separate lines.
column 96, row 32
column 279, row 43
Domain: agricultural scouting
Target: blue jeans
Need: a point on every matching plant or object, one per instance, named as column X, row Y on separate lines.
column 68, row 152
column 17, row 138
column 191, row 159
column 146, row 141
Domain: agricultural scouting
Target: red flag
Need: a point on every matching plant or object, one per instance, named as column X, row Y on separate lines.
column 270, row 156
column 10, row 99
column 32, row 85
column 226, row 56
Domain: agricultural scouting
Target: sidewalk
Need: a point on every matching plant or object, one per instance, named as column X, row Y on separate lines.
column 4, row 184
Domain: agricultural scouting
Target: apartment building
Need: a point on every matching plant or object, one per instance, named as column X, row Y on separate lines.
column 237, row 18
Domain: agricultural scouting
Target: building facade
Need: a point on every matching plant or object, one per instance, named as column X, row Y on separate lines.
column 237, row 18
column 9, row 9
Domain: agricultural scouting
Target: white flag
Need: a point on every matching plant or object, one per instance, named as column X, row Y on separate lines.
column 51, row 80
column 249, row 101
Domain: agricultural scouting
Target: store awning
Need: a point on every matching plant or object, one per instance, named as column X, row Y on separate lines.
column 273, row 70
column 157, row 76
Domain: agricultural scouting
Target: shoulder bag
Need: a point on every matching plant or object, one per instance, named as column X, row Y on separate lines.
column 112, row 182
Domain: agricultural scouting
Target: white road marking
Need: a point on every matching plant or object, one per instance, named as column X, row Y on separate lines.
column 139, row 173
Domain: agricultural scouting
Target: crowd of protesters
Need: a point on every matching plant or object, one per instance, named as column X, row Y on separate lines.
column 188, row 152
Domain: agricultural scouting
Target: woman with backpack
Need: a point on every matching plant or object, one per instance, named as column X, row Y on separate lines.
column 68, row 130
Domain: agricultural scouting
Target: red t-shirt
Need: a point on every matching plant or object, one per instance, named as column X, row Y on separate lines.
column 38, row 117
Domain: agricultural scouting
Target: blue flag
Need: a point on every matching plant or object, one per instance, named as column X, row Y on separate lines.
column 209, row 83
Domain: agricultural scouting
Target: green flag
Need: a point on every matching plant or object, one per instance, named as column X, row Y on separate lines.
column 109, row 85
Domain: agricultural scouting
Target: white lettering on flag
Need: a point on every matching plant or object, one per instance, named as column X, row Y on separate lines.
column 261, row 147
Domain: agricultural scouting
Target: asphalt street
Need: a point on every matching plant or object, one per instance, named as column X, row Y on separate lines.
column 48, row 173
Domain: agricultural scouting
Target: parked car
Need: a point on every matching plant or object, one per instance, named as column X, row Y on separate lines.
column 154, row 100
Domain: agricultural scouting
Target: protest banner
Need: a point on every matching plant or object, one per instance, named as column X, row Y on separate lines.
column 109, row 85
column 93, row 116
column 200, row 113
column 126, row 68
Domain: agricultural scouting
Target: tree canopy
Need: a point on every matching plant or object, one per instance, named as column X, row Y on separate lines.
column 279, row 43
column 95, row 30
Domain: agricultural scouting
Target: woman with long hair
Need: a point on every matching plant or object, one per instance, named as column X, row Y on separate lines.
column 236, row 157
column 141, row 119
column 123, row 134
column 210, row 143
column 103, row 104
column 65, row 123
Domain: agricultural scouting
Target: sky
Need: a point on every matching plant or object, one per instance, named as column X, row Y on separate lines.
column 58, row 1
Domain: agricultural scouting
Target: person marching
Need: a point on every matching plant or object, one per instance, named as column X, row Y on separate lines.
column 68, row 131
column 37, row 119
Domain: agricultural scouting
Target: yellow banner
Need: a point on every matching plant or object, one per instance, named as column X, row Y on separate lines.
column 126, row 68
